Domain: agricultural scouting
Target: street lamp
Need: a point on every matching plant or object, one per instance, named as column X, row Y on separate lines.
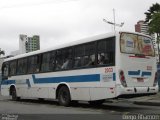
column 114, row 23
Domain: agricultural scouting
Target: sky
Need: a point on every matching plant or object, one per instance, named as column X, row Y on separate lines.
column 62, row 21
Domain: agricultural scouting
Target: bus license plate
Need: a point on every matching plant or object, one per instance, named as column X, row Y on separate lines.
column 140, row 80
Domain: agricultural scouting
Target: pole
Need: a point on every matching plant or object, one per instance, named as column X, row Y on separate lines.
column 114, row 19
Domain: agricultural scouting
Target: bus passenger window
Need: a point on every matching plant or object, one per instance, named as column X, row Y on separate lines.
column 85, row 55
column 22, row 66
column 67, row 58
column 5, row 71
column 34, row 64
column 90, row 60
column 58, row 59
column 64, row 59
column 12, row 66
column 106, row 51
column 65, row 64
column 101, row 59
column 48, row 62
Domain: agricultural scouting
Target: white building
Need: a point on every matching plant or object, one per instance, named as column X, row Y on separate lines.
column 22, row 43
column 27, row 44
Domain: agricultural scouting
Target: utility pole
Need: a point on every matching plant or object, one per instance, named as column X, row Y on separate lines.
column 114, row 21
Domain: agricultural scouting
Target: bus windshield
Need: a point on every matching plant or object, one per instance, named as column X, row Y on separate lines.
column 136, row 44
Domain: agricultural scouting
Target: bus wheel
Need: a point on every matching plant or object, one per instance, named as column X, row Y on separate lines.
column 96, row 102
column 14, row 95
column 64, row 98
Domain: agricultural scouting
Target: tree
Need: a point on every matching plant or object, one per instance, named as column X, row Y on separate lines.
column 153, row 20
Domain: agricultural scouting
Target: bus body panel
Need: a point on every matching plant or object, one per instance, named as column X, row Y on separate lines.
column 82, row 87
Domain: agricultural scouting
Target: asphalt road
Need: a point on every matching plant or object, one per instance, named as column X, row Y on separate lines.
column 50, row 110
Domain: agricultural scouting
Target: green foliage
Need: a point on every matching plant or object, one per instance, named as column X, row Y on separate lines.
column 153, row 18
column 154, row 25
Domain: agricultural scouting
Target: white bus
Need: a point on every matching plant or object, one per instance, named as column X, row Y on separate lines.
column 93, row 69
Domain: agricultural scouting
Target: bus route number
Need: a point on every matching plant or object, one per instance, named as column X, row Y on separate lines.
column 107, row 70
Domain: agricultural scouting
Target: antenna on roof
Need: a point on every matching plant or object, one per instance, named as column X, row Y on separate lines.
column 114, row 23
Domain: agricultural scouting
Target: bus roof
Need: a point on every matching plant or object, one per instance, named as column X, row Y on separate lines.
column 76, row 42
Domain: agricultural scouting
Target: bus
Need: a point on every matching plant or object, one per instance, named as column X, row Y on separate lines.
column 93, row 69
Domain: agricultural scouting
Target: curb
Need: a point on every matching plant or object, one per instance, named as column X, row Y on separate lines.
column 149, row 103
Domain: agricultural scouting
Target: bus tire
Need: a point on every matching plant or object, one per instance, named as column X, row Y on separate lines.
column 14, row 94
column 96, row 102
column 64, row 97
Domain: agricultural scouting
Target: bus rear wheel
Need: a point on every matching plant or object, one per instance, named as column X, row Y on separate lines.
column 64, row 98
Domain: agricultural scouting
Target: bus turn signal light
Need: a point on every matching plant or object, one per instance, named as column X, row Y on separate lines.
column 122, row 78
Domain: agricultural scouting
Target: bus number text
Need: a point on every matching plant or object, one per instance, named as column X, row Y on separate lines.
column 107, row 70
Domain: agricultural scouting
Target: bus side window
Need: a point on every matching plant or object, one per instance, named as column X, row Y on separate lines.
column 12, row 68
column 64, row 59
column 34, row 64
column 59, row 60
column 52, row 61
column 67, row 58
column 106, row 51
column 79, row 53
column 22, row 66
column 90, row 54
column 48, row 62
column 85, row 55
column 5, row 71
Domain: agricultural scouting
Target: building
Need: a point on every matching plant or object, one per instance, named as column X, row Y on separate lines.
column 28, row 44
column 142, row 27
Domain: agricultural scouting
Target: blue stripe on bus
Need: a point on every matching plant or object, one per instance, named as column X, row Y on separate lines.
column 79, row 78
column 134, row 72
column 6, row 82
column 139, row 73
column 146, row 74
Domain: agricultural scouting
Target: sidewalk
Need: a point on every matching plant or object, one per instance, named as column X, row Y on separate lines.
column 153, row 100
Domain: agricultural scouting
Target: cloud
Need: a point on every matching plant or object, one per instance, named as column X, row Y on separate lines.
column 58, row 21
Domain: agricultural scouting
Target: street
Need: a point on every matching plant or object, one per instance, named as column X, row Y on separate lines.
column 48, row 109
